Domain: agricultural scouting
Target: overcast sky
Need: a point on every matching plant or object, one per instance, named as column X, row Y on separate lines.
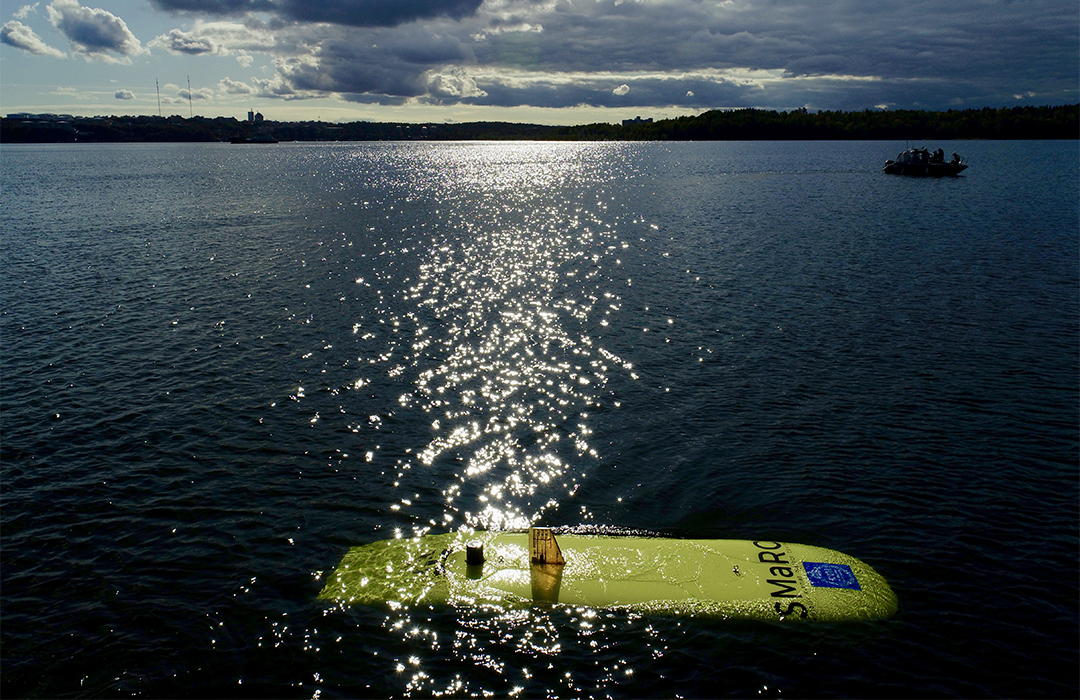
column 544, row 61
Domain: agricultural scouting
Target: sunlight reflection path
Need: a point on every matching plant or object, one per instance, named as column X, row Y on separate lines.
column 504, row 303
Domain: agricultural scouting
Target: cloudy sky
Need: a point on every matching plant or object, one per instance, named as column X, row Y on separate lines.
column 544, row 61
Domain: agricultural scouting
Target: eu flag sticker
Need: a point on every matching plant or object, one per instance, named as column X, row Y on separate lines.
column 831, row 575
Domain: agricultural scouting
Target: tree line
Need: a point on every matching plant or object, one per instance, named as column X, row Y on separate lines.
column 1061, row 122
column 1048, row 122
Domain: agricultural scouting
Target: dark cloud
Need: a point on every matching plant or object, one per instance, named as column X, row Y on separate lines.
column 422, row 47
column 387, row 64
column 821, row 64
column 354, row 13
column 382, row 79
column 216, row 7
column 376, row 13
column 776, row 54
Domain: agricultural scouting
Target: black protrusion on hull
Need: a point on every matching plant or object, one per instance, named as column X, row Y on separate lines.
column 474, row 553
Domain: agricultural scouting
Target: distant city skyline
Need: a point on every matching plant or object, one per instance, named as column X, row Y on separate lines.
column 539, row 61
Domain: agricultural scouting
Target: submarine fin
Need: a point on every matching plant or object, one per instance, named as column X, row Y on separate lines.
column 543, row 549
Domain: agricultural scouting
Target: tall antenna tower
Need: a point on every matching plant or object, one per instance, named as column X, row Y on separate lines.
column 158, row 87
column 189, row 97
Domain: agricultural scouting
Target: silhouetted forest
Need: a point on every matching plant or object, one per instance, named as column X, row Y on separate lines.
column 752, row 124
column 1058, row 122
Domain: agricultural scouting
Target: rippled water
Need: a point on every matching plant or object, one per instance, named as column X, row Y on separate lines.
column 223, row 366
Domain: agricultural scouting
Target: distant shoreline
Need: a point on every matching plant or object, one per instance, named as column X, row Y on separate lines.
column 1048, row 122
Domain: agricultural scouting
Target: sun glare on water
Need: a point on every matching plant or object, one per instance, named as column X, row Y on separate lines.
column 508, row 294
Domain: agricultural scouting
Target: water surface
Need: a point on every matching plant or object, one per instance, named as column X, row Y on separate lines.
column 222, row 366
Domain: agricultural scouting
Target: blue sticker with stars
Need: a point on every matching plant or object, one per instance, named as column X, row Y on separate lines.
column 831, row 575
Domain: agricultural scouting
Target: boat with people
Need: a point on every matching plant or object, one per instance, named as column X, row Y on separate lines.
column 921, row 162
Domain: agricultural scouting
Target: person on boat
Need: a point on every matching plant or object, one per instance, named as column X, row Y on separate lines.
column 955, row 159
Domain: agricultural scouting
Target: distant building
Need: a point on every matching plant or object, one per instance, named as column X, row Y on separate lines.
column 251, row 115
column 636, row 120
column 50, row 118
column 44, row 122
column 258, row 117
